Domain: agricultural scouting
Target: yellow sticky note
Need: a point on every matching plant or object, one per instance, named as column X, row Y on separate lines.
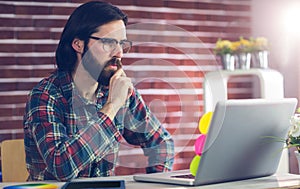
column 205, row 122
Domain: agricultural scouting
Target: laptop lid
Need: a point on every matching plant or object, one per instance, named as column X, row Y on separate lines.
column 237, row 145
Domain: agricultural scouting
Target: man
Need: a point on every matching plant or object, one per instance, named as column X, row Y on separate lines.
column 76, row 117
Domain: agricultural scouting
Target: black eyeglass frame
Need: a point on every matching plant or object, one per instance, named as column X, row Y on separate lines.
column 109, row 41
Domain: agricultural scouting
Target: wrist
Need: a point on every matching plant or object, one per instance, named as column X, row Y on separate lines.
column 110, row 110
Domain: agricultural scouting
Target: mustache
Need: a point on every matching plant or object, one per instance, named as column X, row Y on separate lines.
column 114, row 62
column 106, row 74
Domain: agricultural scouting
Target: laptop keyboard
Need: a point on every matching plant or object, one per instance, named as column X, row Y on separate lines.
column 187, row 176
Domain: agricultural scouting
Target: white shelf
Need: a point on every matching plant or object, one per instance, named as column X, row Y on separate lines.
column 215, row 85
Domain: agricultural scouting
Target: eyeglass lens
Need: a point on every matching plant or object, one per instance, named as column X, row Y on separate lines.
column 110, row 44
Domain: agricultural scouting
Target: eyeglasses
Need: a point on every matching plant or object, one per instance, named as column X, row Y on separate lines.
column 110, row 44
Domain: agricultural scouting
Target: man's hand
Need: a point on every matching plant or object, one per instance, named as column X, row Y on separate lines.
column 120, row 89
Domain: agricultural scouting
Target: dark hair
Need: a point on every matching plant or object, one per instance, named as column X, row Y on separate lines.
column 82, row 23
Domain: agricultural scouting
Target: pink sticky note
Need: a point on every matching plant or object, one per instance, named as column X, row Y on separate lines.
column 199, row 144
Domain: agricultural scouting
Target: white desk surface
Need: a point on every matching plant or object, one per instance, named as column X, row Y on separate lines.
column 274, row 181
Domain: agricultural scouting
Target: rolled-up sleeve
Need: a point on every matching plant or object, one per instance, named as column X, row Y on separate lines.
column 142, row 128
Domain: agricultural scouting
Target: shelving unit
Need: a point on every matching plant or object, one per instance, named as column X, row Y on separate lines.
column 215, row 85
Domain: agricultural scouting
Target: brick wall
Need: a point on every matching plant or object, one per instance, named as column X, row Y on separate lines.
column 173, row 41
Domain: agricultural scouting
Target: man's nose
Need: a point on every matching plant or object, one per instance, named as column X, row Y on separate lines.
column 118, row 51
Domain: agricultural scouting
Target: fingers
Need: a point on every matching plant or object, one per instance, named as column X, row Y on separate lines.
column 120, row 73
column 130, row 91
column 120, row 86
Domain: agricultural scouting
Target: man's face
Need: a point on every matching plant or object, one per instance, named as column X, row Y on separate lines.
column 100, row 59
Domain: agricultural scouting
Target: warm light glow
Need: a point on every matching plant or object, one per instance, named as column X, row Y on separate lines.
column 291, row 19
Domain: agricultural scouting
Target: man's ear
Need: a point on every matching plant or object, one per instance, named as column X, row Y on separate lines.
column 78, row 45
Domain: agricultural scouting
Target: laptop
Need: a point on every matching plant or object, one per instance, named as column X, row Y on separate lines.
column 238, row 144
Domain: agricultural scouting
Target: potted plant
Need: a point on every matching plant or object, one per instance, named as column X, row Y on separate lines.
column 293, row 139
column 224, row 50
column 242, row 50
column 260, row 52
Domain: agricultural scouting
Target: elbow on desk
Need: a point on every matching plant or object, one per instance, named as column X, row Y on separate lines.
column 63, row 172
column 64, row 176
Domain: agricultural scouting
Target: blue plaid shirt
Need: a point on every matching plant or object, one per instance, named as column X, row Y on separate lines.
column 67, row 137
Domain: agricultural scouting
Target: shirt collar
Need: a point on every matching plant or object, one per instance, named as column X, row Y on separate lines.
column 69, row 89
column 66, row 84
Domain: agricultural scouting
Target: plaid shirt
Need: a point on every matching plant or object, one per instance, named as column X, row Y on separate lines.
column 67, row 137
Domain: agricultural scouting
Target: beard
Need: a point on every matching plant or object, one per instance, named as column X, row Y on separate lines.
column 107, row 73
column 100, row 73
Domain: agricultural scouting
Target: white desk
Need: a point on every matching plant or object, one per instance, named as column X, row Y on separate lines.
column 264, row 182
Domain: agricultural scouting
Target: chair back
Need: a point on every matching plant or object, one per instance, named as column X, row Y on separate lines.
column 13, row 161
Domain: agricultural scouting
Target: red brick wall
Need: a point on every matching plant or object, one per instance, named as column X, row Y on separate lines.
column 173, row 41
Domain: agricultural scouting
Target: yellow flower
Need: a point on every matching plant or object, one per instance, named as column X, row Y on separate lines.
column 235, row 45
column 242, row 46
column 259, row 44
column 223, row 47
column 222, row 44
column 245, row 42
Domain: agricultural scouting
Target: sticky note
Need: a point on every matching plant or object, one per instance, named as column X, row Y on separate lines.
column 205, row 122
column 199, row 144
column 194, row 165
